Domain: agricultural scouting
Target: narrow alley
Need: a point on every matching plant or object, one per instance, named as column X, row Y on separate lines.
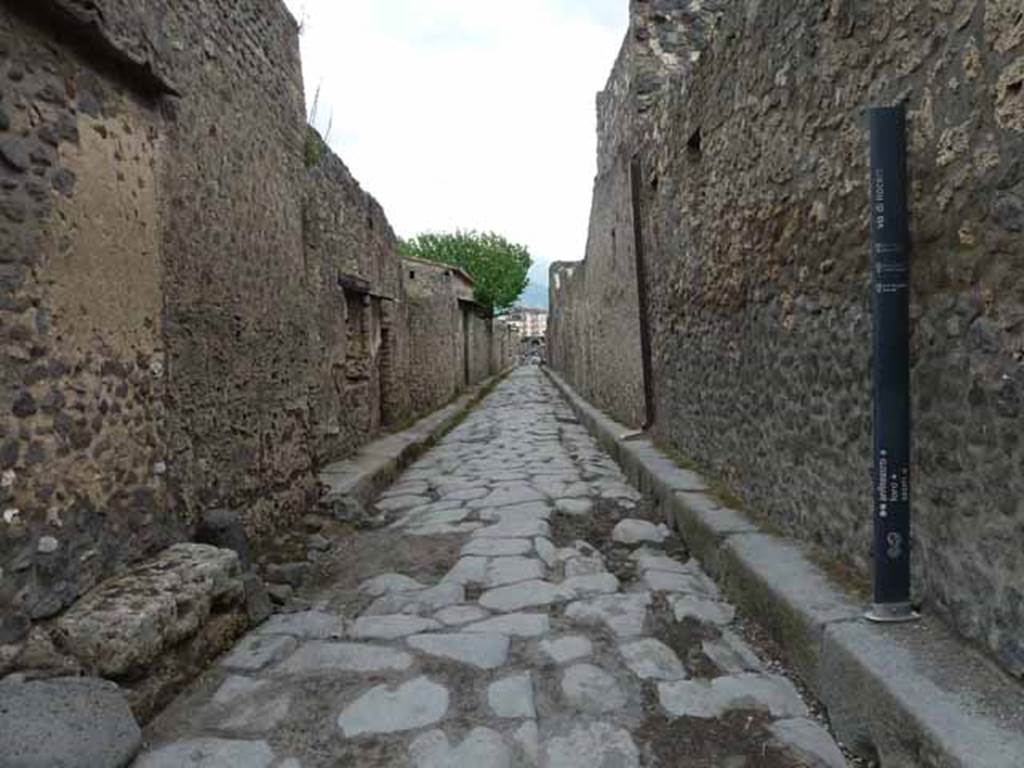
column 522, row 605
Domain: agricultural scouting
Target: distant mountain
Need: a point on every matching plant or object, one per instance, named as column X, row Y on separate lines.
column 535, row 295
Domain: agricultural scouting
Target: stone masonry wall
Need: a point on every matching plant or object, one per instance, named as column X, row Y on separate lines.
column 358, row 340
column 752, row 133
column 478, row 344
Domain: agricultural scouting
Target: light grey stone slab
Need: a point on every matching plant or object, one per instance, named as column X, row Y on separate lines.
column 526, row 594
column 423, row 601
column 395, row 503
column 651, row 659
column 461, row 614
column 309, row 625
column 534, row 510
column 512, row 697
column 482, row 748
column 701, row 609
column 632, row 531
column 687, row 583
column 387, row 583
column 415, row 704
column 808, row 742
column 75, row 722
column 648, row 560
column 707, row 699
column 235, row 687
column 466, row 494
column 487, row 547
column 514, row 529
column 545, row 551
column 390, row 627
column 567, row 648
column 208, row 753
column 575, row 507
column 590, row 689
column 583, row 566
column 527, row 738
column 443, row 529
column 514, row 625
column 592, row 584
column 259, row 715
column 468, row 570
column 730, row 654
column 484, row 651
column 622, row 614
column 254, row 651
column 319, row 657
column 509, row 570
column 592, row 745
column 508, row 494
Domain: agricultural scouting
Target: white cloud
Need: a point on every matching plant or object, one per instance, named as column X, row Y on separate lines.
column 467, row 113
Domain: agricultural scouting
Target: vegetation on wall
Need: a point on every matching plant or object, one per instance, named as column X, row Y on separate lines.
column 498, row 267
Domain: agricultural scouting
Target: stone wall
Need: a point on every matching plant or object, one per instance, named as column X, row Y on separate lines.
column 594, row 323
column 358, row 340
column 751, row 128
column 190, row 319
column 478, row 343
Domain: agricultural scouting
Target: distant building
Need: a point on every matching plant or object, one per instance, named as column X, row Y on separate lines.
column 528, row 321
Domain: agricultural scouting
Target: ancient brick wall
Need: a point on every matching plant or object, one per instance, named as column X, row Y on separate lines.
column 358, row 337
column 752, row 134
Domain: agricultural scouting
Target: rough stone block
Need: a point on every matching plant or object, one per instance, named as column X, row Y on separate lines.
column 73, row 722
column 127, row 622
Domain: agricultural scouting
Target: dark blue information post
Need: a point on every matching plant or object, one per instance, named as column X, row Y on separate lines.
column 890, row 285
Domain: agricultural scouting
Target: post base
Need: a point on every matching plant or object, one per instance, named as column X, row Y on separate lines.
column 891, row 613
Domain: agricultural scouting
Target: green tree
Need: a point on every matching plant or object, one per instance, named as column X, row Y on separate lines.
column 498, row 267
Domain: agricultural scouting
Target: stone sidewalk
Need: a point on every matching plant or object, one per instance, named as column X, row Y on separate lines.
column 518, row 611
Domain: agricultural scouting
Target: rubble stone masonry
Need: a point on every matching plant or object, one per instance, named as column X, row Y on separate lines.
column 749, row 121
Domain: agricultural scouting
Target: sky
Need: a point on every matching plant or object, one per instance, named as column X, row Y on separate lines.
column 468, row 114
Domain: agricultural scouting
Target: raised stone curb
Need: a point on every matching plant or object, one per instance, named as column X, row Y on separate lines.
column 352, row 484
column 909, row 694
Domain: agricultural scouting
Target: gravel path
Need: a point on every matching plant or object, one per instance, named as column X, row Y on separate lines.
column 522, row 609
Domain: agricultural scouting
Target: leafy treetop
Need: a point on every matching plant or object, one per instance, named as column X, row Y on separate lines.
column 498, row 267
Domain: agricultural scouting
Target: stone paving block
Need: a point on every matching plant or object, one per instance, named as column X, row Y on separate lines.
column 688, row 583
column 526, row 594
column 258, row 716
column 512, row 697
column 592, row 745
column 255, row 651
column 468, row 570
column 701, row 609
column 415, row 704
column 545, row 551
column 514, row 625
column 527, row 738
column 707, row 699
column 396, row 503
column 591, row 584
column 509, row 570
column 485, row 651
column 461, row 614
column 319, row 657
column 631, row 531
column 507, row 495
column 309, row 625
column 567, row 648
column 575, row 507
column 481, row 748
column 420, row 602
column 390, row 627
column 590, row 689
column 808, row 742
column 487, row 547
column 650, row 659
column 514, row 529
column 389, row 582
column 534, row 510
column 235, row 687
column 625, row 615
column 649, row 559
column 209, row 753
column 731, row 654
column 68, row 722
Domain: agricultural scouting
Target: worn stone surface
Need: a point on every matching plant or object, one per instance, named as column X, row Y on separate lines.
column 73, row 722
column 415, row 704
column 809, row 742
column 750, row 205
column 572, row 679
column 208, row 753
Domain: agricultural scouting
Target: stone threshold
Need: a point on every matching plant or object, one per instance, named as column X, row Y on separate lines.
column 903, row 694
column 350, row 485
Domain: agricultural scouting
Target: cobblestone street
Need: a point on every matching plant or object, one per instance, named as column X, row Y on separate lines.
column 521, row 606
